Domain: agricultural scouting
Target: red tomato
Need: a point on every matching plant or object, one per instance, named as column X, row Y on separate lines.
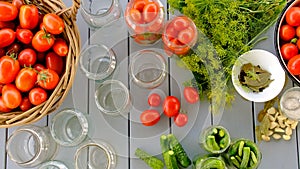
column 181, row 22
column 150, row 11
column 181, row 119
column 42, row 41
column 7, row 37
column 292, row 16
column 135, row 15
column 171, row 106
column 190, row 94
column 185, row 36
column 171, row 32
column 11, row 96
column 294, row 65
column 287, row 32
column 24, row 35
column 48, row 79
column 17, row 3
column 9, row 68
column 39, row 67
column 55, row 62
column 8, row 11
column 26, row 79
column 139, row 5
column 8, row 24
column 29, row 16
column 150, row 117
column 298, row 43
column 176, row 47
column 60, row 47
column 2, row 52
column 14, row 48
column 3, row 108
column 41, row 57
column 27, row 57
column 37, row 96
column 53, row 23
column 25, row 104
column 154, row 99
column 298, row 31
column 288, row 50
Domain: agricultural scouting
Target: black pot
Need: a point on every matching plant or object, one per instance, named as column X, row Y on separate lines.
column 280, row 21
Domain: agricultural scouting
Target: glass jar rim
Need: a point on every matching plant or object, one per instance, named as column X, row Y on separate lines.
column 107, row 12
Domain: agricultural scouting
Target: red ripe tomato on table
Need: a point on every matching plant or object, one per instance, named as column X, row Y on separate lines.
column 171, row 106
column 181, row 119
column 150, row 117
column 190, row 94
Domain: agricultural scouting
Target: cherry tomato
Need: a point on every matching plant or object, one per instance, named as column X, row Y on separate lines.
column 27, row 57
column 185, row 36
column 9, row 68
column 150, row 11
column 135, row 15
column 8, row 24
column 26, row 79
column 39, row 67
column 294, row 65
column 29, row 16
column 190, row 94
column 60, row 47
column 24, row 35
column 150, row 117
column 181, row 22
column 14, row 48
column 292, row 16
column 53, row 23
column 139, row 5
column 176, row 47
column 47, row 79
column 3, row 108
column 17, row 3
column 8, row 11
column 181, row 119
column 287, row 32
column 42, row 41
column 171, row 106
column 154, row 99
column 11, row 96
column 25, row 104
column 171, row 32
column 2, row 52
column 41, row 57
column 37, row 96
column 7, row 37
column 288, row 50
column 54, row 62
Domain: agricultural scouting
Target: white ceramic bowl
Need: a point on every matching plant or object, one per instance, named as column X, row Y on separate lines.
column 266, row 61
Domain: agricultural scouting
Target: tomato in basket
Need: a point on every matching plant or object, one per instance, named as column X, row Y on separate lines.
column 8, row 11
column 47, row 79
column 28, row 16
column 42, row 41
column 53, row 23
column 11, row 96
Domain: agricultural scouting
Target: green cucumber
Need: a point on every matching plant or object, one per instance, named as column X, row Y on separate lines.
column 234, row 148
column 253, row 157
column 151, row 161
column 235, row 161
column 238, row 158
column 170, row 160
column 211, row 143
column 246, row 157
column 240, row 150
column 221, row 133
column 180, row 154
column 224, row 141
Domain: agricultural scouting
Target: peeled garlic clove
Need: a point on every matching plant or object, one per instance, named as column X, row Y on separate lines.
column 288, row 131
column 273, row 125
column 271, row 110
column 286, row 137
column 276, row 136
column 265, row 138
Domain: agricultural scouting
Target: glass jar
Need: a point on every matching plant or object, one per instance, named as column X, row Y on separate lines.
column 53, row 165
column 30, row 145
column 101, row 155
column 145, row 20
column 211, row 162
column 290, row 103
column 99, row 13
column 215, row 139
column 241, row 147
column 179, row 35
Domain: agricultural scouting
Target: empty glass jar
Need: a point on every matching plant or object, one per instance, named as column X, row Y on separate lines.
column 30, row 145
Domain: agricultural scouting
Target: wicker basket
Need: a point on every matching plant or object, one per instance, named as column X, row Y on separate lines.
column 71, row 34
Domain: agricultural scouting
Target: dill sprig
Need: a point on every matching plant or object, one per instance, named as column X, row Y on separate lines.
column 227, row 29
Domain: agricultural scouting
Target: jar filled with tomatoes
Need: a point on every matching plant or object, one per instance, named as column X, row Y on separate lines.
column 179, row 35
column 145, row 20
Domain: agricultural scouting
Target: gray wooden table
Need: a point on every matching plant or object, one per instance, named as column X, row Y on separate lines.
column 125, row 133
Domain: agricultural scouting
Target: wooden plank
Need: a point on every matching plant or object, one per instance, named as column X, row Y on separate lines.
column 2, row 148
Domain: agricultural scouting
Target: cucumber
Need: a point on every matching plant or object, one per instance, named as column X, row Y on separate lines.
column 151, row 161
column 221, row 133
column 240, row 150
column 180, row 154
column 235, row 161
column 170, row 160
column 211, row 143
column 246, row 157
column 224, row 141
column 234, row 148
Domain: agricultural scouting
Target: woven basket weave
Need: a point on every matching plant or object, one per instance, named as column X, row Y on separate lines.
column 71, row 35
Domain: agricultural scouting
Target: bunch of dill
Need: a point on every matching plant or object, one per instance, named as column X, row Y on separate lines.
column 227, row 28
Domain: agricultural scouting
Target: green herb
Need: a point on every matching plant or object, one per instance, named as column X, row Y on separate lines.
column 227, row 28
